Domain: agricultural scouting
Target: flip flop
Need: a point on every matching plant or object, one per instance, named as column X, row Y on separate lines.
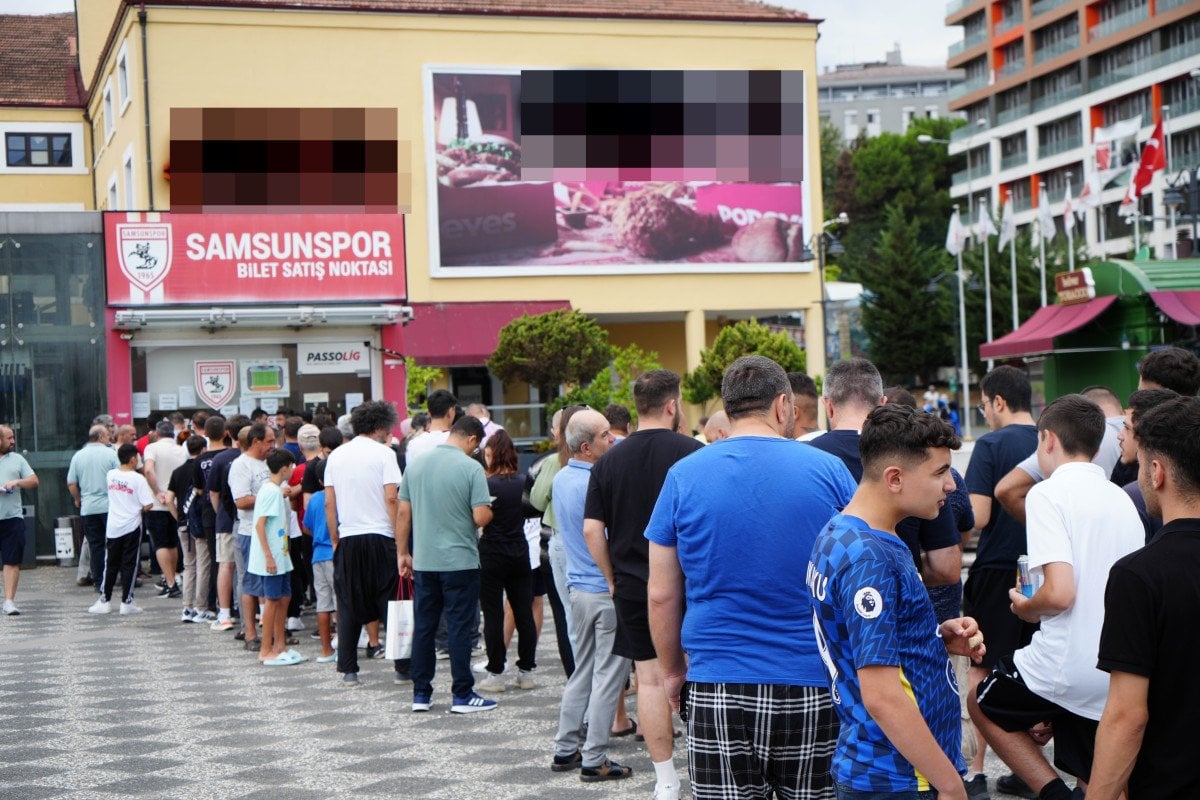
column 295, row 656
column 632, row 729
column 282, row 661
column 327, row 659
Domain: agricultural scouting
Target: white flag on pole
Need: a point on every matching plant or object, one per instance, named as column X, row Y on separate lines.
column 1045, row 219
column 1008, row 225
column 1068, row 215
column 956, row 234
column 984, row 227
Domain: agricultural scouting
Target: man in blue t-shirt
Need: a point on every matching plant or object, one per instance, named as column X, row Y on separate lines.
column 886, row 656
column 1007, row 398
column 731, row 534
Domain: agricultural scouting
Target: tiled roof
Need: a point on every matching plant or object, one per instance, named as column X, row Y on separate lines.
column 38, row 62
column 715, row 10
column 882, row 73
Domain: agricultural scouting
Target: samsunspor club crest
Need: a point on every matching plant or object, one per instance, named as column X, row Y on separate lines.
column 144, row 253
column 216, row 382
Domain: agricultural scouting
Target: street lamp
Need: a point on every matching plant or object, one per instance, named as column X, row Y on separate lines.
column 823, row 244
column 965, row 413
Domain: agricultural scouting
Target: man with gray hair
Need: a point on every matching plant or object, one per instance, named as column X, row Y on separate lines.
column 594, row 688
column 87, row 481
column 164, row 456
column 725, row 541
column 853, row 387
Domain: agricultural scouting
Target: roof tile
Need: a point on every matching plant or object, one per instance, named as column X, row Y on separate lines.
column 38, row 62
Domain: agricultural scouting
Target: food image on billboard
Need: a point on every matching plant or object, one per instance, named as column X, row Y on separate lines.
column 715, row 182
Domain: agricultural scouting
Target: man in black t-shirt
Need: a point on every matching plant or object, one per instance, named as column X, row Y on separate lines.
column 621, row 494
column 217, row 485
column 1146, row 744
column 184, row 503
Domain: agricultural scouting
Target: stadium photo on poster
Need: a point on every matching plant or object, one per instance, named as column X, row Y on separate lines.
column 609, row 171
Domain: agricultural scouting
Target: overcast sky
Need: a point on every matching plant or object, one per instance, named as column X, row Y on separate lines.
column 853, row 31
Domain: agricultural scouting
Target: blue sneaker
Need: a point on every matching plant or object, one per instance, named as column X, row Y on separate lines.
column 471, row 703
column 421, row 702
column 350, row 680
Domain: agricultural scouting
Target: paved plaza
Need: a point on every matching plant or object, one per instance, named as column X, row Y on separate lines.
column 145, row 706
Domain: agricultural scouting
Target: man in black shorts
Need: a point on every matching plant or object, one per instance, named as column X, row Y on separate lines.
column 1007, row 396
column 621, row 494
column 1146, row 745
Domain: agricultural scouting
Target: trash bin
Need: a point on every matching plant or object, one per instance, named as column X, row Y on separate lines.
column 73, row 524
column 30, row 559
column 64, row 547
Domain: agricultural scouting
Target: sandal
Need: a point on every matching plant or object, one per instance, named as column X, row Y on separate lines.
column 632, row 729
column 608, row 771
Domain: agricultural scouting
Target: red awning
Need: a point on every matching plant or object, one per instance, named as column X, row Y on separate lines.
column 463, row 334
column 1183, row 307
column 1039, row 331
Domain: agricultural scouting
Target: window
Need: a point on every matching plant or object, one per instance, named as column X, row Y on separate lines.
column 123, row 78
column 109, row 126
column 873, row 126
column 127, row 174
column 906, row 118
column 851, row 125
column 38, row 150
column 931, row 112
column 113, row 198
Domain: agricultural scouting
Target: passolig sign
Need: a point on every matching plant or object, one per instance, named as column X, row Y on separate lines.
column 172, row 259
column 322, row 358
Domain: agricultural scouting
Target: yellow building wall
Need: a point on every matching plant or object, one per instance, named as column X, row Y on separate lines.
column 94, row 18
column 128, row 135
column 58, row 189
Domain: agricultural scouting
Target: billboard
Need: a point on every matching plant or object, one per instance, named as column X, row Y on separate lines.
column 594, row 172
column 178, row 259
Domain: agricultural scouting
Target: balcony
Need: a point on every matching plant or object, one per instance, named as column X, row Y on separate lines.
column 967, row 86
column 1012, row 114
column 1054, row 98
column 1056, row 49
column 1182, row 107
column 970, row 174
column 1008, row 23
column 967, row 43
column 1023, row 203
column 967, row 131
column 1014, row 159
column 1011, row 68
column 1167, row 5
column 1042, row 6
column 1061, row 146
column 1118, row 23
column 954, row 6
column 1141, row 66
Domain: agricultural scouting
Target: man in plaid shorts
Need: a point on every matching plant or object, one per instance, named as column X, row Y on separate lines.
column 731, row 534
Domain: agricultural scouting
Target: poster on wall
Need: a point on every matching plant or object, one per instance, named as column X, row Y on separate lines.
column 566, row 172
column 323, row 358
column 169, row 259
column 265, row 377
column 216, row 382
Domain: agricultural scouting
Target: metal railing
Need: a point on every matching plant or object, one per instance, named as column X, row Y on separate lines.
column 1014, row 159
column 1054, row 98
column 956, row 5
column 1056, row 49
column 1012, row 68
column 966, row 131
column 1012, row 114
column 971, row 173
column 1137, row 68
column 1061, row 146
column 1167, row 5
column 1008, row 23
column 1180, row 107
column 1023, row 203
column 966, row 44
column 1042, row 6
column 1118, row 23
column 969, row 85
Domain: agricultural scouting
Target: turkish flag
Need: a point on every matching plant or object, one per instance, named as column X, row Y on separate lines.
column 1154, row 158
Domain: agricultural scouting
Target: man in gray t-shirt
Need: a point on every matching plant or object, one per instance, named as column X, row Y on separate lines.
column 443, row 499
column 15, row 475
column 87, row 481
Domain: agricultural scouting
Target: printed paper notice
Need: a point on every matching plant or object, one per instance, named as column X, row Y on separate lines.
column 187, row 396
column 353, row 400
column 141, row 405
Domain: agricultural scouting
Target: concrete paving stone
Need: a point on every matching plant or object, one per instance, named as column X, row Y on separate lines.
column 142, row 785
column 293, row 794
column 140, row 765
column 29, row 792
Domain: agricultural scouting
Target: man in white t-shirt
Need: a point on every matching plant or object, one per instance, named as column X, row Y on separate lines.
column 247, row 474
column 361, row 506
column 442, row 408
column 163, row 457
column 129, row 496
column 1079, row 524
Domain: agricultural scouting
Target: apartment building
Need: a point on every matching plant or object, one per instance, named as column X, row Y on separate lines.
column 1042, row 75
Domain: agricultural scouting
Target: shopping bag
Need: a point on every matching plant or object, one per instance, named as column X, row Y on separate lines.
column 399, row 626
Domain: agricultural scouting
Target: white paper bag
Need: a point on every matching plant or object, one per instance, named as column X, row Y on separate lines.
column 399, row 630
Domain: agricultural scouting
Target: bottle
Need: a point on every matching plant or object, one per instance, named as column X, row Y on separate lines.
column 1024, row 579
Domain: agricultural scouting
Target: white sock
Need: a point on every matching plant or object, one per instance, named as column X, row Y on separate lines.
column 224, row 615
column 665, row 774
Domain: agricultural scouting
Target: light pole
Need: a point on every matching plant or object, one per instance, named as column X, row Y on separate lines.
column 819, row 246
column 965, row 413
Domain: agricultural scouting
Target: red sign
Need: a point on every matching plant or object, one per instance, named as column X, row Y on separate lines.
column 167, row 259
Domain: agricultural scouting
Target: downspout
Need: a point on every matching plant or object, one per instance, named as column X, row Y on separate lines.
column 87, row 114
column 146, row 103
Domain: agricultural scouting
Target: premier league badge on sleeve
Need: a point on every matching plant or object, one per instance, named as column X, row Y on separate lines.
column 868, row 603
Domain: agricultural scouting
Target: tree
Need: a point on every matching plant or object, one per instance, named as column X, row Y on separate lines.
column 418, row 379
column 832, row 148
column 908, row 329
column 734, row 341
column 614, row 383
column 547, row 350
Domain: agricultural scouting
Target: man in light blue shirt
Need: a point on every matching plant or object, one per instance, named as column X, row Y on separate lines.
column 599, row 677
column 87, row 481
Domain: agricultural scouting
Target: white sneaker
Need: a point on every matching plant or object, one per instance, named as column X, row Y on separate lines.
column 668, row 792
column 480, row 667
column 130, row 608
column 188, row 615
column 525, row 679
column 294, row 624
column 101, row 606
column 491, row 684
column 10, row 609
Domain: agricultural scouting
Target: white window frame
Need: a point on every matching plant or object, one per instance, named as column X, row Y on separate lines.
column 874, row 122
column 113, row 194
column 931, row 112
column 75, row 129
column 110, row 126
column 907, row 115
column 127, row 171
column 123, row 91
